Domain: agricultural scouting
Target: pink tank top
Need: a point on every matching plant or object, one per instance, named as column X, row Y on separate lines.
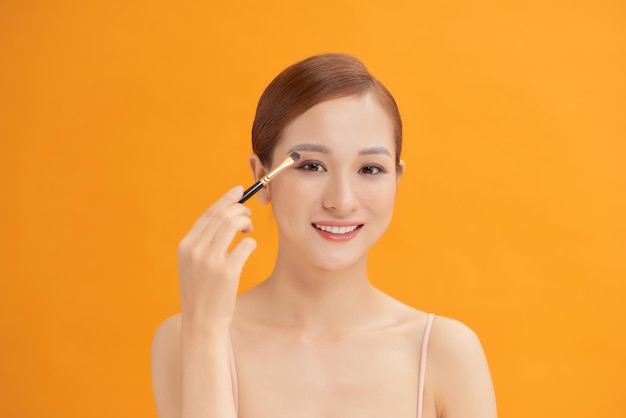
column 420, row 382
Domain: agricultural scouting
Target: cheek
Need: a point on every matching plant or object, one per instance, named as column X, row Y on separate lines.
column 294, row 183
column 381, row 195
column 288, row 195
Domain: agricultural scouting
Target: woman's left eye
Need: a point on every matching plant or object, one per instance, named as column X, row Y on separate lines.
column 370, row 169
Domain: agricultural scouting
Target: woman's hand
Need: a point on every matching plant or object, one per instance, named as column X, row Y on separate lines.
column 208, row 273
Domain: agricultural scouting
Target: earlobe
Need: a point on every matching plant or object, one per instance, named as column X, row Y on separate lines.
column 258, row 171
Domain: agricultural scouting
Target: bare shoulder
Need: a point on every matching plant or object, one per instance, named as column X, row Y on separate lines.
column 165, row 367
column 166, row 340
column 168, row 328
column 450, row 337
column 459, row 372
column 454, row 347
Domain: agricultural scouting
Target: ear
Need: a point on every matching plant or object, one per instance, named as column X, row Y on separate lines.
column 399, row 171
column 258, row 171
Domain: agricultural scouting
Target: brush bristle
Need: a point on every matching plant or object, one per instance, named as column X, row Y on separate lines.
column 294, row 156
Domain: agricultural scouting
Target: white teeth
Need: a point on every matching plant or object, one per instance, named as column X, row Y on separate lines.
column 336, row 229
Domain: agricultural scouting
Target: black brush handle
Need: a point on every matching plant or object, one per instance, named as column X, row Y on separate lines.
column 251, row 191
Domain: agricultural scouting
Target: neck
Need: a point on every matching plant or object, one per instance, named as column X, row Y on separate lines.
column 318, row 300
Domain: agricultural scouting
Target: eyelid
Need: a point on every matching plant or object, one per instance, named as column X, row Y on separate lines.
column 378, row 167
column 307, row 162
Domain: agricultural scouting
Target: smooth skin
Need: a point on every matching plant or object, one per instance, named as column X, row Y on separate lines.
column 315, row 339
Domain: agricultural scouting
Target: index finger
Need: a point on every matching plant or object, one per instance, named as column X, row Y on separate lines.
column 229, row 198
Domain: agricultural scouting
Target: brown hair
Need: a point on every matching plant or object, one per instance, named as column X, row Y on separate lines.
column 307, row 83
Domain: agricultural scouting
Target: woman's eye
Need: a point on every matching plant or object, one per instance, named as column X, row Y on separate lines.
column 311, row 166
column 370, row 169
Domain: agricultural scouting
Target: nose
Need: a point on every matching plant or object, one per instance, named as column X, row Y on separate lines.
column 340, row 195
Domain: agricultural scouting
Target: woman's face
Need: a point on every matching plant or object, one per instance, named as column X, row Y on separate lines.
column 337, row 199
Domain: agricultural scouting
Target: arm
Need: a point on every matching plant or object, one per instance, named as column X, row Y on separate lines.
column 191, row 374
column 462, row 382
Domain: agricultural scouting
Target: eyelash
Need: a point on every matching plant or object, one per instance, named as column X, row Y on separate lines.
column 378, row 169
column 306, row 166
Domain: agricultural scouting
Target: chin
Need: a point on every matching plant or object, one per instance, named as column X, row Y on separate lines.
column 327, row 257
column 337, row 262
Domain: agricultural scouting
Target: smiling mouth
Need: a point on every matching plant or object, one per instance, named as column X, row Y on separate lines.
column 337, row 230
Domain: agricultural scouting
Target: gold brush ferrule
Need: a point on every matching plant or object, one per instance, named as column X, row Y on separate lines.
column 286, row 163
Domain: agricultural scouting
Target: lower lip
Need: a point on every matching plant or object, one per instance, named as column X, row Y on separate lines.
column 338, row 237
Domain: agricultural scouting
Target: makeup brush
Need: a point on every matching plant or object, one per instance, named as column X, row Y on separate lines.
column 292, row 158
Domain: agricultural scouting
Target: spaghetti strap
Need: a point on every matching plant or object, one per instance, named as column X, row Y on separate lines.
column 233, row 374
column 422, row 372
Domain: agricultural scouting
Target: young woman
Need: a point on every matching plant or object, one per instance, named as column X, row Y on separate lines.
column 315, row 339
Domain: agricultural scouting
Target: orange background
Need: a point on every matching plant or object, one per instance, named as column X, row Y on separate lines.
column 121, row 121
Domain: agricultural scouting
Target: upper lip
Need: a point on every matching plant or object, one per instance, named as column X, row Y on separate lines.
column 337, row 223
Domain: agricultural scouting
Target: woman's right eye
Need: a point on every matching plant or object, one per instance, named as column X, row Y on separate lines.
column 312, row 166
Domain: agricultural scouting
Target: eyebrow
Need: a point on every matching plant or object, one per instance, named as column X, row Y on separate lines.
column 325, row 150
column 310, row 147
column 375, row 150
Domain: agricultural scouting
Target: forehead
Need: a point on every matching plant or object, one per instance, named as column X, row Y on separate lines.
column 347, row 123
